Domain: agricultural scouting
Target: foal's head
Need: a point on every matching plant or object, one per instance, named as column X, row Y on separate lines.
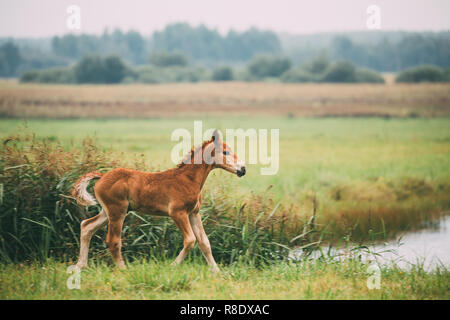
column 217, row 154
column 220, row 155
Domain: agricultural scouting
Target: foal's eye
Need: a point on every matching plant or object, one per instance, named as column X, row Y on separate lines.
column 226, row 153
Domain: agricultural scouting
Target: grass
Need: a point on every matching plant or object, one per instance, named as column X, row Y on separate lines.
column 148, row 279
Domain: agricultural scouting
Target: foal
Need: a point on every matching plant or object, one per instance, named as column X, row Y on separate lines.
column 175, row 193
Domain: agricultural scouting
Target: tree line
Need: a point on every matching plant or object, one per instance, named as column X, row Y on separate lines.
column 202, row 46
column 174, row 67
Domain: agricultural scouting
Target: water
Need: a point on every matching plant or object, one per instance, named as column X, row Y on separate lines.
column 430, row 247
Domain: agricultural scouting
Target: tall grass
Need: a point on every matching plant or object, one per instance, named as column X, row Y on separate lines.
column 39, row 219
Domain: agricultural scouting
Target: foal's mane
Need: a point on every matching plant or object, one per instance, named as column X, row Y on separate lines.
column 188, row 157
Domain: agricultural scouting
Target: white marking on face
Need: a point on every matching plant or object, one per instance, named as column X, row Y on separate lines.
column 239, row 165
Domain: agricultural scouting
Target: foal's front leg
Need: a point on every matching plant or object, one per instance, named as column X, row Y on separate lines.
column 182, row 221
column 202, row 238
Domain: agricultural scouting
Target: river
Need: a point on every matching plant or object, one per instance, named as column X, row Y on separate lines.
column 429, row 247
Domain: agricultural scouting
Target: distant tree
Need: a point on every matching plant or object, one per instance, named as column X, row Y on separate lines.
column 30, row 76
column 223, row 73
column 67, row 46
column 136, row 47
column 424, row 73
column 114, row 69
column 368, row 76
column 94, row 69
column 10, row 59
column 53, row 75
column 418, row 49
column 153, row 74
column 402, row 51
column 298, row 75
column 318, row 65
column 130, row 46
column 37, row 60
column 268, row 66
column 342, row 47
column 341, row 71
column 90, row 69
column 201, row 43
column 243, row 46
column 447, row 75
column 168, row 59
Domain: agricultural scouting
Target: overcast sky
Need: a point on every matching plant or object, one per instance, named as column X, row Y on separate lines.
column 36, row 18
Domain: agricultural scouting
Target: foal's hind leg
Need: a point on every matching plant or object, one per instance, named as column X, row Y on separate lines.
column 88, row 228
column 116, row 216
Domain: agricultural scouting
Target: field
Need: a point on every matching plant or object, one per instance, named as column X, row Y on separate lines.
column 245, row 99
column 358, row 163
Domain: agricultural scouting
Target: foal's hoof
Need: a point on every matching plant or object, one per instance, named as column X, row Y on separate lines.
column 215, row 269
column 81, row 265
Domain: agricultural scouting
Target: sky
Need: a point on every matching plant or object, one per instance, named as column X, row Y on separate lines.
column 43, row 18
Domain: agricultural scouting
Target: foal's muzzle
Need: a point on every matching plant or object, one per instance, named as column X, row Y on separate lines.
column 241, row 172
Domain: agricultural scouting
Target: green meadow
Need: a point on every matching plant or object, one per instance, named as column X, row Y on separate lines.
column 320, row 279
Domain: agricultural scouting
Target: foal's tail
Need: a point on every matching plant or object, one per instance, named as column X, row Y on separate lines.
column 80, row 192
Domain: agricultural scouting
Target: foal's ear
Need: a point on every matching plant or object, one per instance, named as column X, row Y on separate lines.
column 216, row 137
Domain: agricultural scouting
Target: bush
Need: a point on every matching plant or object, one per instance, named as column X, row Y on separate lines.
column 320, row 70
column 30, row 76
column 341, row 71
column 89, row 70
column 268, row 66
column 298, row 75
column 242, row 74
column 94, row 69
column 317, row 66
column 368, row 76
column 168, row 60
column 152, row 74
column 446, row 75
column 424, row 73
column 53, row 75
column 114, row 69
column 149, row 75
column 222, row 74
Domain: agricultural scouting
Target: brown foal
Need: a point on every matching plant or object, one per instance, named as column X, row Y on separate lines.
column 175, row 193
